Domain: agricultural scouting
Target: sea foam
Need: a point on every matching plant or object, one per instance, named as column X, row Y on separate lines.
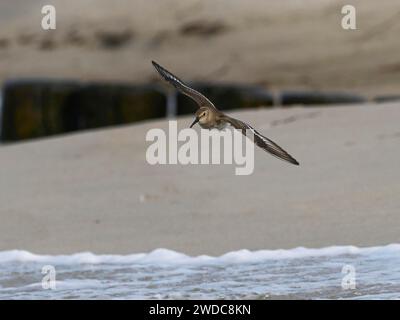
column 166, row 256
column 299, row 273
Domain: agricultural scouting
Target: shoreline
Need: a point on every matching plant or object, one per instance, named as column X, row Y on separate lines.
column 164, row 255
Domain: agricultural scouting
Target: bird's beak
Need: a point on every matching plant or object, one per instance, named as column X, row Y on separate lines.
column 194, row 122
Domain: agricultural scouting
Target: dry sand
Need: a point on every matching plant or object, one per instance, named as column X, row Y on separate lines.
column 279, row 44
column 94, row 190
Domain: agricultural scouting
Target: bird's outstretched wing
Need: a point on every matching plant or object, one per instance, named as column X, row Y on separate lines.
column 261, row 141
column 182, row 87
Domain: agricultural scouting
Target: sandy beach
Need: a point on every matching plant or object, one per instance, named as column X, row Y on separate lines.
column 94, row 191
column 279, row 45
column 84, row 214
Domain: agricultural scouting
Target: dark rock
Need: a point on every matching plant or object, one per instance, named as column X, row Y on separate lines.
column 140, row 103
column 227, row 96
column 47, row 44
column 26, row 38
column 4, row 43
column 202, row 28
column 387, row 98
column 391, row 67
column 313, row 98
column 98, row 105
column 42, row 108
column 114, row 39
column 75, row 38
column 32, row 109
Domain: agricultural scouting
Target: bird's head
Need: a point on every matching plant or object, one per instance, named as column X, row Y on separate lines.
column 201, row 116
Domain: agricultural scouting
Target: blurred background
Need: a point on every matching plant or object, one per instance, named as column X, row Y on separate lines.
column 95, row 69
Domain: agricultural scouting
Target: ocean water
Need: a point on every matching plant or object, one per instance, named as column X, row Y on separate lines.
column 341, row 272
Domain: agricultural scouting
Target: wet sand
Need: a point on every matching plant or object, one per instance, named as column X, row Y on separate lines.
column 94, row 191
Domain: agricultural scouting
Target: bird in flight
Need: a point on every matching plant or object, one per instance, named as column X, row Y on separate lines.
column 209, row 117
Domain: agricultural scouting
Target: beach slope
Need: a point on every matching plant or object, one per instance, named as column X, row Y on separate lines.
column 94, row 191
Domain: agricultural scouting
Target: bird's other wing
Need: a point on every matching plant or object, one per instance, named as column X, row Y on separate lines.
column 261, row 141
column 182, row 87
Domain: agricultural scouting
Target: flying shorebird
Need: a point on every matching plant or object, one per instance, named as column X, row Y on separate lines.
column 209, row 117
